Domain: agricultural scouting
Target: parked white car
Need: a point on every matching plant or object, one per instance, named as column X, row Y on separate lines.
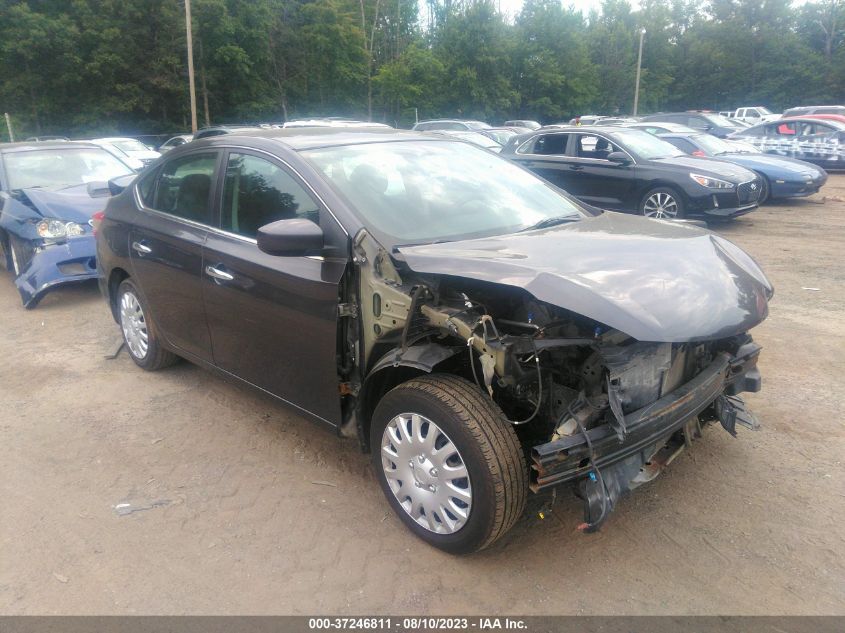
column 129, row 150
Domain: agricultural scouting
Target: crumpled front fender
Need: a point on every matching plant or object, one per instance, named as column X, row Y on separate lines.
column 54, row 264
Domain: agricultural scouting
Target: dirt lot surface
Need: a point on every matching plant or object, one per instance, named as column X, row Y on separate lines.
column 243, row 507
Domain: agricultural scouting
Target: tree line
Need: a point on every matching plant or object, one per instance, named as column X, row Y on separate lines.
column 82, row 67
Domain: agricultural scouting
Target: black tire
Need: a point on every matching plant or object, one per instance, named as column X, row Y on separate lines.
column 17, row 259
column 487, row 445
column 155, row 356
column 765, row 189
column 7, row 253
column 663, row 191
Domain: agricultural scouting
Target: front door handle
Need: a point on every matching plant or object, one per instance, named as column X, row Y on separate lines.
column 217, row 274
column 576, row 167
column 141, row 248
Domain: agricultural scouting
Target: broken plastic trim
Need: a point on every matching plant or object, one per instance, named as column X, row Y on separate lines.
column 564, row 460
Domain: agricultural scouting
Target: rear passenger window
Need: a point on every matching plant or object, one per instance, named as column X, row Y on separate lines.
column 146, row 187
column 589, row 146
column 257, row 192
column 551, row 144
column 183, row 187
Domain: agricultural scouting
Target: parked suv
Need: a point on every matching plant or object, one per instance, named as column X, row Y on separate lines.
column 627, row 169
column 453, row 312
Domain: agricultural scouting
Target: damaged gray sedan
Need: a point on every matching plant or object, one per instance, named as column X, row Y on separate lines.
column 480, row 332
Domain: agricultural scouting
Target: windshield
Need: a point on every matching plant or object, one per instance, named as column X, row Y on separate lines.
column 718, row 119
column 645, row 145
column 426, row 191
column 131, row 145
column 65, row 166
column 477, row 138
column 763, row 110
column 744, row 148
column 713, row 145
column 477, row 125
column 501, row 136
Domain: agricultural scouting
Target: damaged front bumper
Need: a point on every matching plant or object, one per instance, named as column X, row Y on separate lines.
column 54, row 264
column 711, row 395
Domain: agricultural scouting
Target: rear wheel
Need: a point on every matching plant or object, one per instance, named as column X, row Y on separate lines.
column 138, row 330
column 663, row 203
column 448, row 462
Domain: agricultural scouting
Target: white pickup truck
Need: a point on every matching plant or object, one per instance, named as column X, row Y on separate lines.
column 754, row 115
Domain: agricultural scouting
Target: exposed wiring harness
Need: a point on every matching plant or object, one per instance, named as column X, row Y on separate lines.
column 539, row 380
column 594, row 524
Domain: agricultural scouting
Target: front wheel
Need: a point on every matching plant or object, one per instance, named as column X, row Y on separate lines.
column 16, row 258
column 765, row 189
column 139, row 335
column 663, row 203
column 448, row 462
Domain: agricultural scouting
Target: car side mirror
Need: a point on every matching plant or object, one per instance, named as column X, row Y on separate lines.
column 620, row 158
column 290, row 237
column 118, row 184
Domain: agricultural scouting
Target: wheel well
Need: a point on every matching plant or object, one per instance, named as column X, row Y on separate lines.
column 374, row 389
column 661, row 184
column 116, row 277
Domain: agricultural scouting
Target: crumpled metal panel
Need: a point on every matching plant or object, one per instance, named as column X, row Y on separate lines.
column 653, row 280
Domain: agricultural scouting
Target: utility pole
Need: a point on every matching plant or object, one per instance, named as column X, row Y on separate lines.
column 639, row 65
column 9, row 126
column 191, row 67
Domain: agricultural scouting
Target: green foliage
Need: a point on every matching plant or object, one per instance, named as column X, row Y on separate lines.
column 102, row 66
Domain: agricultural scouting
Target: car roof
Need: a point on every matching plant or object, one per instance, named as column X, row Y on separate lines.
column 110, row 139
column 607, row 129
column 450, row 121
column 816, row 106
column 669, row 125
column 680, row 134
column 42, row 145
column 314, row 137
column 801, row 119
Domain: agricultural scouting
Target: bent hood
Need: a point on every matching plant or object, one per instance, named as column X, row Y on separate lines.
column 654, row 280
column 75, row 204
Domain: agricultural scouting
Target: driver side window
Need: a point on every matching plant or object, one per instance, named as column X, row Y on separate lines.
column 257, row 192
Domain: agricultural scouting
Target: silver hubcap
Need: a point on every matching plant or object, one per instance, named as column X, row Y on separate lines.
column 660, row 205
column 134, row 325
column 426, row 473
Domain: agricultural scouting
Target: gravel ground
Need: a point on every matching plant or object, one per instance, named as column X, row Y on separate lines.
column 238, row 506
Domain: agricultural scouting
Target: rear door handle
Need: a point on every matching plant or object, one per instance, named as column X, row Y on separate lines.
column 141, row 248
column 576, row 167
column 217, row 274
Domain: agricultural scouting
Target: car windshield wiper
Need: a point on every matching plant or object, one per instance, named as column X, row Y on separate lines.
column 553, row 221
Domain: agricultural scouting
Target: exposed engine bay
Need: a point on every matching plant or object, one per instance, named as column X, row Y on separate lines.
column 590, row 404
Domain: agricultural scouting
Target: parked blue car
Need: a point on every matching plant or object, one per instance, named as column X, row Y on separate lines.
column 782, row 177
column 49, row 192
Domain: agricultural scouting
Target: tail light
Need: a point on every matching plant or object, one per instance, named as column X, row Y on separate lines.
column 698, row 152
column 96, row 220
